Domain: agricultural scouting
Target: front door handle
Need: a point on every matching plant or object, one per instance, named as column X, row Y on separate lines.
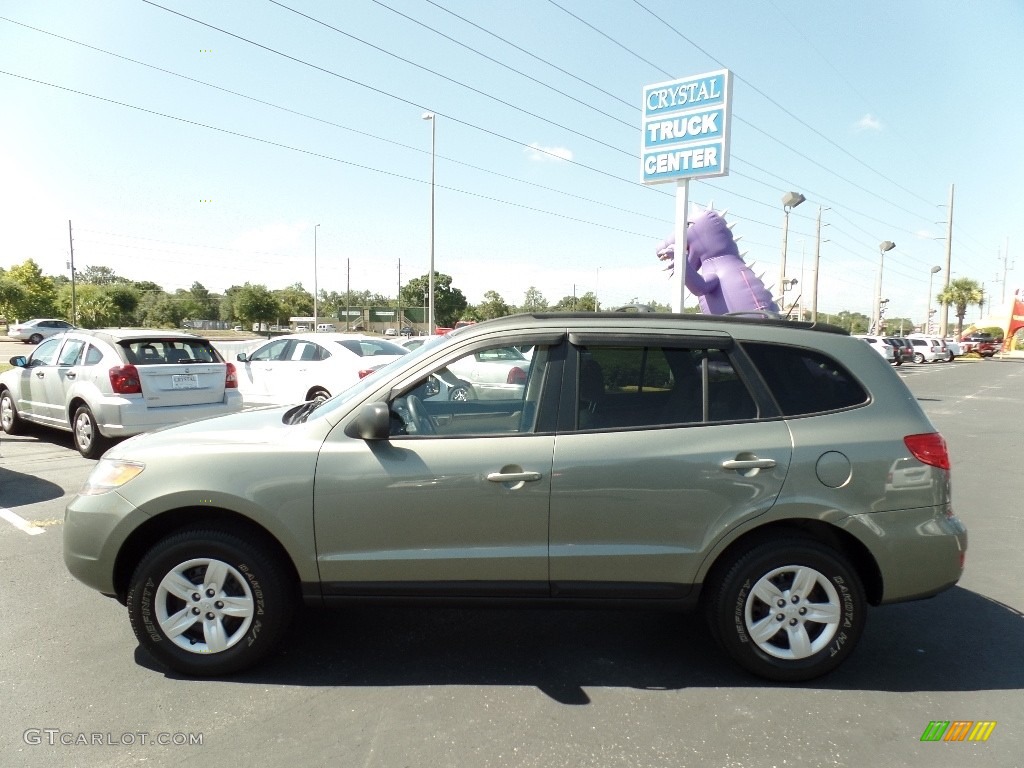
column 513, row 477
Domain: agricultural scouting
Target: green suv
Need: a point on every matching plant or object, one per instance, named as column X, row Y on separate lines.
column 778, row 476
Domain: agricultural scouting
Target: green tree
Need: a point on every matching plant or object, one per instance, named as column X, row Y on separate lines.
column 854, row 322
column 534, row 301
column 585, row 303
column 960, row 293
column 38, row 294
column 95, row 307
column 296, row 301
column 203, row 304
column 99, row 276
column 12, row 295
column 449, row 302
column 256, row 304
column 491, row 307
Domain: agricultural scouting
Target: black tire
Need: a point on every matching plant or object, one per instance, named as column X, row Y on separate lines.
column 86, row 434
column 319, row 394
column 35, row 338
column 243, row 573
column 918, row 358
column 10, row 421
column 461, row 392
column 742, row 617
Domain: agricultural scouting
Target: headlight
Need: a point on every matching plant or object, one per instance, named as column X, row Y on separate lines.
column 110, row 474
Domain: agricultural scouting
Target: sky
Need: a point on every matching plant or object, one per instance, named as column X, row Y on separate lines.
column 205, row 141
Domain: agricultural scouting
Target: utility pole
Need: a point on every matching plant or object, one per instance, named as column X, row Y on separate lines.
column 1006, row 267
column 944, row 319
column 398, row 302
column 817, row 263
column 348, row 290
column 74, row 302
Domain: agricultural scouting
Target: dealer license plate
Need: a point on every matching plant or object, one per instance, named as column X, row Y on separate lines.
column 185, row 381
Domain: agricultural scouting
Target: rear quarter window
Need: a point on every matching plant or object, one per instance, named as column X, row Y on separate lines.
column 805, row 381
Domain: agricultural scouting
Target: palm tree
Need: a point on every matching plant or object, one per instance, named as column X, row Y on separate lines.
column 959, row 293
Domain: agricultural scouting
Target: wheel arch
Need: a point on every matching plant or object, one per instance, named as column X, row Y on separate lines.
column 73, row 405
column 143, row 538
column 845, row 543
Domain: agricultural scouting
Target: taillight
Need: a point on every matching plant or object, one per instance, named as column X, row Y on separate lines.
column 516, row 376
column 366, row 372
column 124, row 380
column 231, row 377
column 929, row 448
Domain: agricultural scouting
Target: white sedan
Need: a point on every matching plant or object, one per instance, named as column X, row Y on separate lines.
column 493, row 374
column 310, row 366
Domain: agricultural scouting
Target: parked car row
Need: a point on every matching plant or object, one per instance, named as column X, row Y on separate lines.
column 918, row 349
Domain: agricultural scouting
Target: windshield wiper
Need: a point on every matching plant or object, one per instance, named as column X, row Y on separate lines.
column 301, row 412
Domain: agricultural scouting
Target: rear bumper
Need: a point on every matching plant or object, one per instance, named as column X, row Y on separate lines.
column 122, row 417
column 920, row 552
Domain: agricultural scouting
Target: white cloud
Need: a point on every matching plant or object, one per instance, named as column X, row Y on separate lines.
column 869, row 123
column 538, row 153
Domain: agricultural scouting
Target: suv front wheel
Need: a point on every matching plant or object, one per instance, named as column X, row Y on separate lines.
column 206, row 602
column 788, row 610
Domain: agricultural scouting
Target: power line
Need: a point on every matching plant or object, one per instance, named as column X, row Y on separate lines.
column 325, row 156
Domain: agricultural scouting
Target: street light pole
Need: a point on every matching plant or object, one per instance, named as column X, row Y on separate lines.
column 928, row 318
column 790, row 200
column 430, row 279
column 885, row 245
column 315, row 308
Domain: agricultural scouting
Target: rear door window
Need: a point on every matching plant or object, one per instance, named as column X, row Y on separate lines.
column 647, row 386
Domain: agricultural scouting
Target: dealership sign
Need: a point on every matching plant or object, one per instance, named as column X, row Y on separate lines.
column 686, row 128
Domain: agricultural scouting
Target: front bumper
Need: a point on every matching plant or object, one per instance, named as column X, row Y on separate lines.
column 95, row 527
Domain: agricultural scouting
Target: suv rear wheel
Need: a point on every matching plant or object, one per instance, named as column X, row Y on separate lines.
column 788, row 610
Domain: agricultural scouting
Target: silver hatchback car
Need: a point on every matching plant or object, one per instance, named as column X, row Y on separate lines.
column 741, row 466
column 113, row 383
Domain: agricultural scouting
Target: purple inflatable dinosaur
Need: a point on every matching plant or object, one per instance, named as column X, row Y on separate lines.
column 715, row 271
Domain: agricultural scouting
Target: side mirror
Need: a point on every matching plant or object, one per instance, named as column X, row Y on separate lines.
column 371, row 422
column 242, row 357
column 18, row 361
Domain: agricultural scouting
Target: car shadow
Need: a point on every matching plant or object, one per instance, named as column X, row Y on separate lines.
column 18, row 489
column 958, row 641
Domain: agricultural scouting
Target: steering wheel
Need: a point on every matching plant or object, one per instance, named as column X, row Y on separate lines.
column 424, row 424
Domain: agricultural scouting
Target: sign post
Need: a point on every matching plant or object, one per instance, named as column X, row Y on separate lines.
column 685, row 129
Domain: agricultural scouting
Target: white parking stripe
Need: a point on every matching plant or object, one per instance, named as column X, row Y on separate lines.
column 20, row 522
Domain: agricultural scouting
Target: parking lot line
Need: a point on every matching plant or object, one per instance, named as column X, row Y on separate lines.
column 20, row 523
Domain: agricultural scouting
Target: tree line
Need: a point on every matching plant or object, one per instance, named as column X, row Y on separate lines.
column 103, row 298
